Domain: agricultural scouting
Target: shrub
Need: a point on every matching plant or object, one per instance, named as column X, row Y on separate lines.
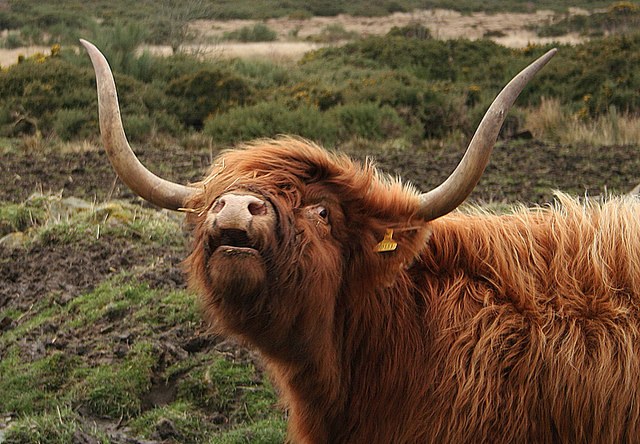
column 70, row 123
column 313, row 93
column 258, row 33
column 263, row 74
column 137, row 126
column 368, row 121
column 326, row 8
column 268, row 119
column 207, row 92
column 413, row 30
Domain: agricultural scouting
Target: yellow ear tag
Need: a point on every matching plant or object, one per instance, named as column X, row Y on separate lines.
column 386, row 244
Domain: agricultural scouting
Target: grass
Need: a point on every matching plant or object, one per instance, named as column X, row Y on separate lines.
column 552, row 122
column 111, row 358
column 52, row 219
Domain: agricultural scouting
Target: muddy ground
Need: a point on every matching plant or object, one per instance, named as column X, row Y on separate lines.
column 524, row 171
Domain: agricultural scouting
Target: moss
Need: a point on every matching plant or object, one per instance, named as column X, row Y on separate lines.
column 60, row 426
column 268, row 431
column 116, row 390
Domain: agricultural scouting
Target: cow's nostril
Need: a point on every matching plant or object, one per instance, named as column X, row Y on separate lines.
column 258, row 208
column 218, row 206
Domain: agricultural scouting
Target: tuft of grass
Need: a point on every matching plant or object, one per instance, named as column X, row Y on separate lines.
column 59, row 426
column 117, row 390
column 267, row 431
column 551, row 121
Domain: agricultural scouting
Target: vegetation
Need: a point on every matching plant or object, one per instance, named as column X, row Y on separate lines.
column 619, row 17
column 118, row 352
column 61, row 21
column 402, row 85
column 258, row 33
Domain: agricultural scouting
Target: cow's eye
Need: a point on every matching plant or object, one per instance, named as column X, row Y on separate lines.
column 322, row 212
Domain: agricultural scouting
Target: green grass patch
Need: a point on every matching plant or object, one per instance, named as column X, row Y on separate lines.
column 55, row 427
column 116, row 390
column 267, row 431
column 102, row 353
column 38, row 386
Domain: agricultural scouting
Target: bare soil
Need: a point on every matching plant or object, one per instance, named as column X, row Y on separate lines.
column 526, row 172
column 295, row 36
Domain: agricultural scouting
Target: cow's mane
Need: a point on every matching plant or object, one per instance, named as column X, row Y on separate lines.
column 551, row 251
column 546, row 294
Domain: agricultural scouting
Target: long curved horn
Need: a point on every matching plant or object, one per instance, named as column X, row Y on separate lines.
column 453, row 191
column 143, row 182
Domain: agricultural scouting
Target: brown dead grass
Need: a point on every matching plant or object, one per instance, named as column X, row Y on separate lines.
column 550, row 121
column 292, row 40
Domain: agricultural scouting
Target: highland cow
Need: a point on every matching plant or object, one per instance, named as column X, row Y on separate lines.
column 382, row 318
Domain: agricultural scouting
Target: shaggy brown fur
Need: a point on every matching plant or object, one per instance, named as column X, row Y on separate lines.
column 478, row 328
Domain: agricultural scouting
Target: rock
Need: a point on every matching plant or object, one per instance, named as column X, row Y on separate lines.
column 83, row 438
column 165, row 429
column 13, row 240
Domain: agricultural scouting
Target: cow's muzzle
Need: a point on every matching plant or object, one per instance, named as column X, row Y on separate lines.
column 239, row 223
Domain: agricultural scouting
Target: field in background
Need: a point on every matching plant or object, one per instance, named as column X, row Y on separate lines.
column 99, row 339
column 296, row 36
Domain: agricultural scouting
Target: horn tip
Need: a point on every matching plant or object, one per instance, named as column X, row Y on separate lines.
column 88, row 45
column 549, row 54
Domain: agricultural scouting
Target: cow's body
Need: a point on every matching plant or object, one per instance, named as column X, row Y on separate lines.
column 477, row 328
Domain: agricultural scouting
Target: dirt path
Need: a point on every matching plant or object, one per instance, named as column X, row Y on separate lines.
column 444, row 24
column 295, row 35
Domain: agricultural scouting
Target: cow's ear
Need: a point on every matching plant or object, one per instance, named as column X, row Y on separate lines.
column 404, row 244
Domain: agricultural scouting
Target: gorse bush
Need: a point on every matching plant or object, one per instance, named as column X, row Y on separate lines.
column 368, row 121
column 268, row 119
column 206, row 92
column 257, row 33
column 413, row 30
column 72, row 123
column 343, row 122
column 425, row 89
